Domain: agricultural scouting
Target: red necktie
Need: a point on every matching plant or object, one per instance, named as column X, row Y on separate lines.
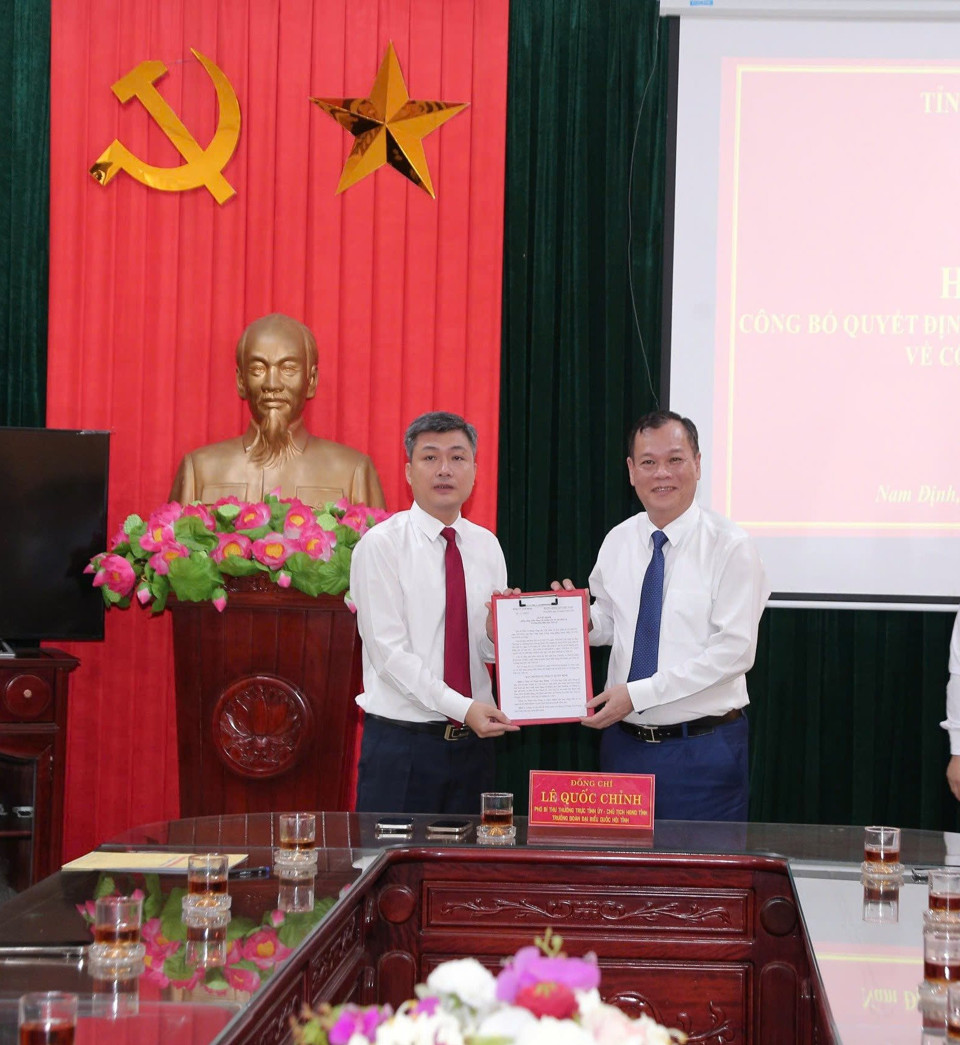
column 456, row 642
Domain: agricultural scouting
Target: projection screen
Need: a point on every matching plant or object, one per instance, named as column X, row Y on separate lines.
column 813, row 303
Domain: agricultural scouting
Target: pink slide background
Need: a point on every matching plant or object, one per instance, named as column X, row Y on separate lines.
column 839, row 196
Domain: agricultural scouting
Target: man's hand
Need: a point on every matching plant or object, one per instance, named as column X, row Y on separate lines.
column 953, row 776
column 565, row 585
column 488, row 721
column 489, row 605
column 616, row 706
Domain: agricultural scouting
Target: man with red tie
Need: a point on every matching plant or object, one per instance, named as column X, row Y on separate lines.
column 421, row 582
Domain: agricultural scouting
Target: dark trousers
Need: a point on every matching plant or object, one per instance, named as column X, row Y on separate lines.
column 405, row 772
column 698, row 778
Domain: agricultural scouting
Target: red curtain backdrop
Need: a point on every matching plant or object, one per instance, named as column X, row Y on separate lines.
column 150, row 290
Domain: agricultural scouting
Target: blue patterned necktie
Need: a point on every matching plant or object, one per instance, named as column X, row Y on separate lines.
column 646, row 640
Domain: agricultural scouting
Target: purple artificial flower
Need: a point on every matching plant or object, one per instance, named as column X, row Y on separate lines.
column 529, row 967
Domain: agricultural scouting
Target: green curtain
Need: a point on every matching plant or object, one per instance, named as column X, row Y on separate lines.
column 845, row 705
column 573, row 372
column 24, row 196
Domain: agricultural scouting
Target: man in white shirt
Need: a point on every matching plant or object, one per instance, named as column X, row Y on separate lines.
column 421, row 581
column 676, row 690
column 952, row 722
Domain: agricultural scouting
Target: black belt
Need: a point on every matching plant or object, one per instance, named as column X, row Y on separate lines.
column 697, row 728
column 447, row 730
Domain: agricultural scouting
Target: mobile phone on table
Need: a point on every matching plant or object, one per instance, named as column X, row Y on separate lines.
column 452, row 828
column 394, row 825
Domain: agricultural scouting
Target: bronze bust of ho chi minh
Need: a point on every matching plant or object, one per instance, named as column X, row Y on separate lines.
column 276, row 374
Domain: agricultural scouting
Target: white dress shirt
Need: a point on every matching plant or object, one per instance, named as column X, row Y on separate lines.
column 952, row 721
column 714, row 591
column 398, row 583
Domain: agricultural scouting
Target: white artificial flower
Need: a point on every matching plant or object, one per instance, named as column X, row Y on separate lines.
column 549, row 1031
column 508, row 1022
column 467, row 980
column 403, row 1029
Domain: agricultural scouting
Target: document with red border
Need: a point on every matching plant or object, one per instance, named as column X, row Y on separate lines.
column 543, row 655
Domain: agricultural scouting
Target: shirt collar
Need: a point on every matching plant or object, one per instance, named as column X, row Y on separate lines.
column 429, row 525
column 677, row 530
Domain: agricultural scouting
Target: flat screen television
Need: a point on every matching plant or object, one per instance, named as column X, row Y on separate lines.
column 53, row 519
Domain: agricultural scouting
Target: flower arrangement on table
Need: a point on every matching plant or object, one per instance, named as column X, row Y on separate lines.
column 195, row 551
column 253, row 950
column 541, row 997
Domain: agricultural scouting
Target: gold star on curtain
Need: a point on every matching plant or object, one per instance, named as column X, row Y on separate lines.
column 389, row 127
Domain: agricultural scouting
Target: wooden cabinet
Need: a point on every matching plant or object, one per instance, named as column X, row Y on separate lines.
column 33, row 748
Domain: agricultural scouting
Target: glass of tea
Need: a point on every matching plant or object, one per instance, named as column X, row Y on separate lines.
column 881, row 899
column 47, row 1018
column 207, row 883
column 953, row 1012
column 116, row 932
column 943, row 896
column 496, row 818
column 207, row 942
column 296, row 894
column 298, row 843
column 881, row 850
column 941, row 954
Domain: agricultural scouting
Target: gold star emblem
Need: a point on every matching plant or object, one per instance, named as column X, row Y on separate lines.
column 389, row 127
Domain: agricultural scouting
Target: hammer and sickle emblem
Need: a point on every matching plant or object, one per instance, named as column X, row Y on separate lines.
column 203, row 166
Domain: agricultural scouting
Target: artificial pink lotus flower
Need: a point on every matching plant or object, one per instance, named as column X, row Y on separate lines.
column 228, row 500
column 241, row 979
column 263, row 948
column 232, row 544
column 273, row 549
column 252, row 515
column 115, row 573
column 168, row 551
column 284, row 579
column 160, row 526
column 317, row 542
column 220, row 600
column 202, row 512
column 143, row 594
column 298, row 515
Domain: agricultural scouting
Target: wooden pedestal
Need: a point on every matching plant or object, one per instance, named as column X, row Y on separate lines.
column 266, row 718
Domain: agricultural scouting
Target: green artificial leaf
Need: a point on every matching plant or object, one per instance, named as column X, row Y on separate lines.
column 238, row 566
column 134, row 526
column 171, row 917
column 112, row 598
column 153, row 901
column 191, row 532
column 225, row 514
column 347, row 535
column 240, row 926
column 278, row 512
column 313, row 1034
column 106, row 886
column 257, row 532
column 215, row 980
column 176, row 968
column 316, row 577
column 326, row 520
column 195, row 579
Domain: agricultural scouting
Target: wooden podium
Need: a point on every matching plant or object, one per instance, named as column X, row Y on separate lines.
column 266, row 718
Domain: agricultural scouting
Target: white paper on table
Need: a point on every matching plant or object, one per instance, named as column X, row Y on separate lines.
column 543, row 662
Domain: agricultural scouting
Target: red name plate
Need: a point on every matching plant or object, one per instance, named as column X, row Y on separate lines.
column 597, row 801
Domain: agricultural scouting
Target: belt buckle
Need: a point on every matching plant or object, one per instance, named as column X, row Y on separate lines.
column 453, row 732
column 648, row 733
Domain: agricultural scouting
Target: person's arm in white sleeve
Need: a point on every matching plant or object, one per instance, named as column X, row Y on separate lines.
column 952, row 722
column 376, row 592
